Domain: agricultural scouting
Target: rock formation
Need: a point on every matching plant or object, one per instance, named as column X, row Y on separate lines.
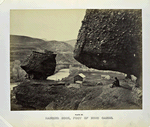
column 54, row 96
column 50, row 96
column 111, row 40
column 39, row 65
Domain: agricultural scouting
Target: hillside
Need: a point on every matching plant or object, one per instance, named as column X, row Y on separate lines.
column 71, row 42
column 21, row 46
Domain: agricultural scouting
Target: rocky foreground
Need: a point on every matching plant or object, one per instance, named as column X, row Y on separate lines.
column 38, row 96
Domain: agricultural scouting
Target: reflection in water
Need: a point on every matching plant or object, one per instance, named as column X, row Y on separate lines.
column 63, row 73
column 58, row 76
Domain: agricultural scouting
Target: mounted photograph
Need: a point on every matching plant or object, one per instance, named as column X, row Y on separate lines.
column 75, row 59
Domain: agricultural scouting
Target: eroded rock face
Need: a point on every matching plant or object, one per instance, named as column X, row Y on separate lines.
column 39, row 65
column 111, row 40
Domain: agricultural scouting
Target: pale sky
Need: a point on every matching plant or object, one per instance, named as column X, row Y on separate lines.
column 49, row 24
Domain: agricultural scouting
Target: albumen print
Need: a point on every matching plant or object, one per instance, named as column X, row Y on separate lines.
column 76, row 59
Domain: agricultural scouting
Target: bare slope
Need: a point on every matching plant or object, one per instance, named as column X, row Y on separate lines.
column 71, row 42
column 22, row 46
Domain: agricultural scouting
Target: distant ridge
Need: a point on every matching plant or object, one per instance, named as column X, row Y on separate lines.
column 71, row 42
column 21, row 46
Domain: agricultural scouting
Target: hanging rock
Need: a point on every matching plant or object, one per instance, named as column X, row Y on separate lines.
column 111, row 40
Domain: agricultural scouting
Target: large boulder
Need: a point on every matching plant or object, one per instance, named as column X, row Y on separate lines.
column 111, row 40
column 50, row 95
column 40, row 65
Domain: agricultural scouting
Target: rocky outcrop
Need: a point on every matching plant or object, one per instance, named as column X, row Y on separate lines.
column 39, row 65
column 111, row 40
column 111, row 98
column 47, row 96
column 54, row 96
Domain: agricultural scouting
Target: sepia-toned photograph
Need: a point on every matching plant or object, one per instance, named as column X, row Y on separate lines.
column 75, row 59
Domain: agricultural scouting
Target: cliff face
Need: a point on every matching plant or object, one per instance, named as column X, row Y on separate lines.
column 111, row 40
column 39, row 65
